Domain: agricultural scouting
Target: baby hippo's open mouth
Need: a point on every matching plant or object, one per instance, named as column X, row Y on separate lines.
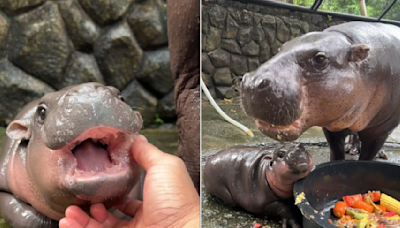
column 101, row 166
column 282, row 133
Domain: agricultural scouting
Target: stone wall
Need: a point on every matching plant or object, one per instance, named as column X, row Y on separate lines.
column 47, row 45
column 237, row 38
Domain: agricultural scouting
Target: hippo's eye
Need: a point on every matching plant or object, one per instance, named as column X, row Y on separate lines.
column 121, row 98
column 281, row 154
column 320, row 58
column 41, row 110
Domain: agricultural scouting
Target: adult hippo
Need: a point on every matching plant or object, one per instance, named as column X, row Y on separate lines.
column 345, row 78
column 184, row 47
column 69, row 147
column 259, row 180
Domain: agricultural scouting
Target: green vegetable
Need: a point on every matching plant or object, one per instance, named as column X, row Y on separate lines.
column 362, row 223
column 357, row 214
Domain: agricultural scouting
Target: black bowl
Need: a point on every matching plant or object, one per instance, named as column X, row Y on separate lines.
column 329, row 182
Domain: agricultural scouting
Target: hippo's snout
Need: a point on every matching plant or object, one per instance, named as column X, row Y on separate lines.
column 272, row 95
column 298, row 159
column 74, row 110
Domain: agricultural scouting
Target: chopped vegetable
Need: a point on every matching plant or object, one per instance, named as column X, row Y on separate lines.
column 368, row 200
column 257, row 225
column 390, row 214
column 340, row 209
column 375, row 195
column 350, row 200
column 363, row 205
column 390, row 203
column 362, row 223
column 382, row 208
column 357, row 214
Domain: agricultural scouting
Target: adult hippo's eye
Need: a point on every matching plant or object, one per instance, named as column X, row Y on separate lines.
column 281, row 154
column 41, row 110
column 121, row 98
column 320, row 59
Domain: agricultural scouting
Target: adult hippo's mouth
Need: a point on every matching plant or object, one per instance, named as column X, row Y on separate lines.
column 282, row 133
column 101, row 166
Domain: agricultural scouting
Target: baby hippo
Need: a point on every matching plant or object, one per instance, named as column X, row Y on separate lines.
column 259, row 180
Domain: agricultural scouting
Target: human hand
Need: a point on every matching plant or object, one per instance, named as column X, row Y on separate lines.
column 169, row 197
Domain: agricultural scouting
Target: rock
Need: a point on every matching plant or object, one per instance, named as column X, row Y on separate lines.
column 39, row 45
column 295, row 30
column 231, row 29
column 238, row 64
column 231, row 46
column 205, row 21
column 4, row 26
column 217, row 16
column 257, row 17
column 269, row 26
column 213, row 40
column 148, row 20
column 105, row 11
column 305, row 27
column 81, row 29
column 253, row 63
column 206, row 65
column 275, row 47
column 141, row 100
column 220, row 58
column 222, row 77
column 118, row 55
column 16, row 90
column 258, row 34
column 251, row 49
column 156, row 72
column 207, row 80
column 12, row 7
column 83, row 69
column 283, row 31
column 265, row 52
column 244, row 36
column 226, row 92
column 243, row 17
column 166, row 107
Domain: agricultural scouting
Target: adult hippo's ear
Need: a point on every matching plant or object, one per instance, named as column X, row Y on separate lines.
column 359, row 52
column 19, row 130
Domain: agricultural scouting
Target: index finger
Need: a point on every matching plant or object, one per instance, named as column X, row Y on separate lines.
column 145, row 154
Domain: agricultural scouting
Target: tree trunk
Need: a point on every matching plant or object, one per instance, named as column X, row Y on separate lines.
column 363, row 8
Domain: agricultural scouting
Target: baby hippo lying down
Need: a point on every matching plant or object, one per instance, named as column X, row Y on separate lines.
column 259, row 180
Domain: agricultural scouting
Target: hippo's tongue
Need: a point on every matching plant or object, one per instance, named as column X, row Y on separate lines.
column 92, row 157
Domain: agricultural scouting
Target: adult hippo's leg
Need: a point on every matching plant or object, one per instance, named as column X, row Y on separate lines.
column 11, row 207
column 184, row 46
column 336, row 143
column 371, row 143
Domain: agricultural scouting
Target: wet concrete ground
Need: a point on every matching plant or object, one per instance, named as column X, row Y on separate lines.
column 218, row 134
column 165, row 139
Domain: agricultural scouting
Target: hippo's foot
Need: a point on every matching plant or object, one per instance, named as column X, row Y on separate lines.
column 288, row 213
column 382, row 154
column 353, row 147
column 21, row 215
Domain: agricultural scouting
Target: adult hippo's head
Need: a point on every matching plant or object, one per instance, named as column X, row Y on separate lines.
column 315, row 80
column 78, row 144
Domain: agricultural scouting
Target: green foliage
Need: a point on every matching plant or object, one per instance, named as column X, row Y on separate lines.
column 157, row 119
column 374, row 7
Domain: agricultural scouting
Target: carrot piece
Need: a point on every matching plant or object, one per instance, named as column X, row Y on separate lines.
column 382, row 208
column 359, row 204
column 340, row 209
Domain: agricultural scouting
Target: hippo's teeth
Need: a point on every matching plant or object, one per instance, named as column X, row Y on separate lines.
column 92, row 172
column 76, row 172
column 278, row 137
column 115, row 135
column 272, row 125
column 119, row 166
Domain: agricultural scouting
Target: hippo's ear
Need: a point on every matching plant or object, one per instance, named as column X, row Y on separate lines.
column 19, row 130
column 359, row 52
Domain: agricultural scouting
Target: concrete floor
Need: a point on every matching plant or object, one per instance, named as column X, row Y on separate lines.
column 218, row 134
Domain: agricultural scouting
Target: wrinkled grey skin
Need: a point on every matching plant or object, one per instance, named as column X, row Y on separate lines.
column 184, row 47
column 344, row 79
column 258, row 180
column 37, row 180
